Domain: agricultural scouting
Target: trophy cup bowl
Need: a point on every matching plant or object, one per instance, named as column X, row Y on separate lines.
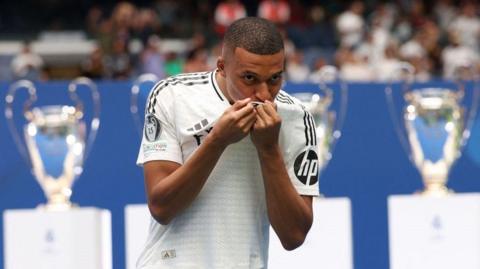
column 433, row 128
column 55, row 144
column 434, row 122
column 328, row 121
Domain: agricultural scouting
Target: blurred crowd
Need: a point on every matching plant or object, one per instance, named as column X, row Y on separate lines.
column 366, row 40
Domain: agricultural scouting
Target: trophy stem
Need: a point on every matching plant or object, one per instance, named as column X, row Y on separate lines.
column 58, row 195
column 435, row 177
column 58, row 202
column 435, row 188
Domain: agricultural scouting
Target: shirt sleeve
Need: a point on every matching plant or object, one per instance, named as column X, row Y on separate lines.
column 299, row 141
column 159, row 139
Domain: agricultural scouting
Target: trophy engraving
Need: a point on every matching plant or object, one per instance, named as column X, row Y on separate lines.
column 434, row 126
column 55, row 144
column 145, row 80
column 328, row 120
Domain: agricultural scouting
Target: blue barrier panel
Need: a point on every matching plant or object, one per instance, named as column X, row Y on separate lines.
column 368, row 165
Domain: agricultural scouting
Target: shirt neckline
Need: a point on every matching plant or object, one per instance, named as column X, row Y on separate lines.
column 217, row 89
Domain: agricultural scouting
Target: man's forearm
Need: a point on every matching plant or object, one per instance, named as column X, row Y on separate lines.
column 289, row 213
column 176, row 191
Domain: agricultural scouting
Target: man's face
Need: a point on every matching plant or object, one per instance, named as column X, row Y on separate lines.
column 251, row 75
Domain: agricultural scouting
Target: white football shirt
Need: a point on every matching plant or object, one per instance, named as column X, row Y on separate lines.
column 227, row 225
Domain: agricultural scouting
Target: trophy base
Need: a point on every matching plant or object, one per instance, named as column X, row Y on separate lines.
column 57, row 206
column 436, row 191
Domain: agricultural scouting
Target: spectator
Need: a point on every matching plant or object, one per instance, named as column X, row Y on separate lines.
column 386, row 66
column 457, row 54
column 316, row 75
column 117, row 27
column 320, row 31
column 151, row 60
column 197, row 61
column 350, row 25
column 144, row 24
column 94, row 20
column 413, row 48
column 168, row 11
column 297, row 70
column 416, row 13
column 173, row 63
column 376, row 41
column 416, row 54
column 27, row 64
column 467, row 25
column 227, row 12
column 215, row 52
column 444, row 12
column 384, row 15
column 118, row 63
column 277, row 11
column 93, row 67
column 353, row 67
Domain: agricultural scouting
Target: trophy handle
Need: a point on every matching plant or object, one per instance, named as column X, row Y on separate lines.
column 330, row 73
column 460, row 80
column 9, row 114
column 95, row 122
column 405, row 73
column 148, row 77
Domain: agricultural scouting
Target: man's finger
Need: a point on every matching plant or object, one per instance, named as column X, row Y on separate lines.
column 248, row 118
column 241, row 103
column 250, row 123
column 259, row 121
column 244, row 111
column 262, row 114
column 270, row 109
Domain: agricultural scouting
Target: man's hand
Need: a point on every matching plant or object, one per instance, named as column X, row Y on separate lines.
column 267, row 126
column 235, row 123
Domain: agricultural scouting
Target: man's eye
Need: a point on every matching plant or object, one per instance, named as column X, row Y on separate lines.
column 249, row 78
column 275, row 78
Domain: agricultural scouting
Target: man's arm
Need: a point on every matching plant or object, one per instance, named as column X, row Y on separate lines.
column 172, row 187
column 290, row 214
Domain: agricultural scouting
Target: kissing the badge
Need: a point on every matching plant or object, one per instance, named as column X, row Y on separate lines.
column 256, row 103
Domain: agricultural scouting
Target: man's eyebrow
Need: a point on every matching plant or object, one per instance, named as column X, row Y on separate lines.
column 278, row 73
column 246, row 72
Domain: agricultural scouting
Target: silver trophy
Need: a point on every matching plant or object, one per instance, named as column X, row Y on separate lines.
column 434, row 125
column 55, row 140
column 145, row 80
column 328, row 119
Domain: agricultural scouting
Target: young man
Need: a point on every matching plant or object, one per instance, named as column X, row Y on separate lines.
column 225, row 154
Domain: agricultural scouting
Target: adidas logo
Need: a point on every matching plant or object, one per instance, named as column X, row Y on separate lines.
column 198, row 126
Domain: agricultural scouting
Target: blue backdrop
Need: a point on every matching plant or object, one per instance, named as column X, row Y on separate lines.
column 368, row 165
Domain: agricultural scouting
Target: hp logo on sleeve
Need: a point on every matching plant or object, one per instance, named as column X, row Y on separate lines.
column 306, row 167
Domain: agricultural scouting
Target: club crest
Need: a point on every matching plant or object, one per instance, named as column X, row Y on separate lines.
column 152, row 128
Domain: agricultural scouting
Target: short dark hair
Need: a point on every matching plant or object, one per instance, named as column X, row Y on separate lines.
column 256, row 35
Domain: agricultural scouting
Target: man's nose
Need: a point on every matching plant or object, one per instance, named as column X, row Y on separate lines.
column 262, row 92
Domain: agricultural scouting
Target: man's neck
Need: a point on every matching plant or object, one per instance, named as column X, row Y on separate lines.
column 222, row 84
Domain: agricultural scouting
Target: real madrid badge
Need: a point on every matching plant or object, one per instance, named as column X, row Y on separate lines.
column 152, row 128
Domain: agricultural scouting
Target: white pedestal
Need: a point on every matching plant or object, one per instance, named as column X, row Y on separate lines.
column 429, row 232
column 76, row 239
column 328, row 244
column 137, row 222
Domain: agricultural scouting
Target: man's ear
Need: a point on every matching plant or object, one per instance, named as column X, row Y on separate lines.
column 221, row 66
